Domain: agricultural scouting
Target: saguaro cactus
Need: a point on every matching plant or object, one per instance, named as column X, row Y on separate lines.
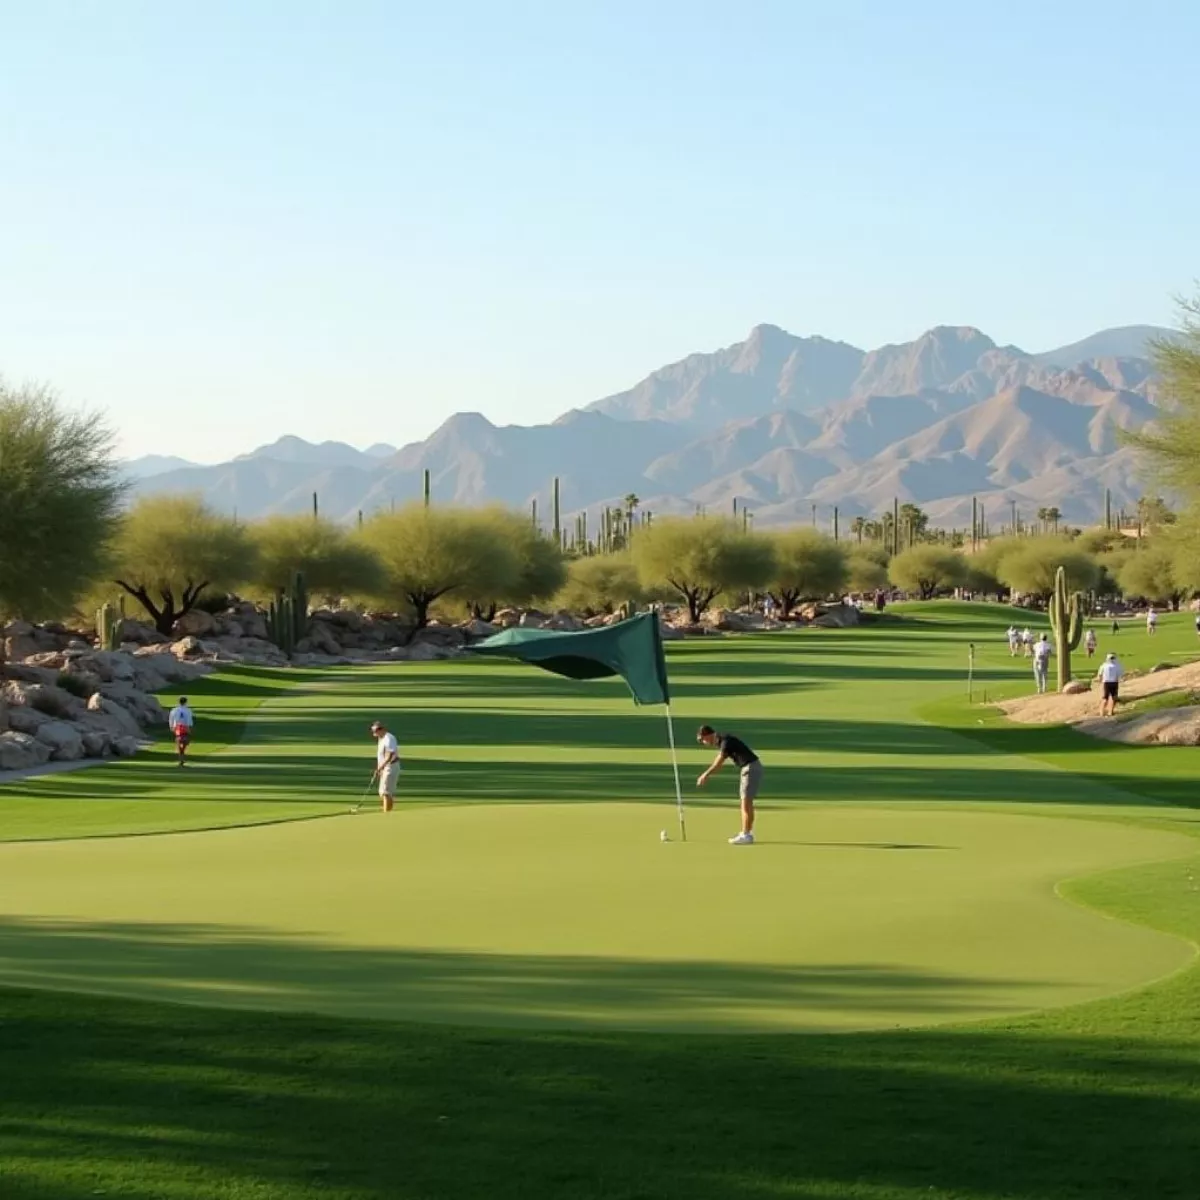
column 1066, row 619
column 108, row 626
column 287, row 615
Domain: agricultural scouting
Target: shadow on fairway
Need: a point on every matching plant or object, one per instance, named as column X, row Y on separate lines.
column 251, row 968
column 598, row 771
column 145, row 1101
column 856, row 845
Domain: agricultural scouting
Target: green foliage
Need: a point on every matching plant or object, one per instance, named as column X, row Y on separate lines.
column 428, row 553
column 1173, row 445
column 1150, row 574
column 875, row 552
column 1049, row 517
column 701, row 557
column 808, row 565
column 927, row 570
column 979, row 578
column 541, row 567
column 171, row 548
column 1109, row 566
column 600, row 583
column 1153, row 513
column 864, row 571
column 335, row 564
column 1183, row 543
column 1066, row 620
column 1100, row 541
column 1028, row 565
column 914, row 521
column 59, row 503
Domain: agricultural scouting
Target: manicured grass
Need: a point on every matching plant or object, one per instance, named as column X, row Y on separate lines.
column 578, row 916
column 120, row 1097
column 147, row 794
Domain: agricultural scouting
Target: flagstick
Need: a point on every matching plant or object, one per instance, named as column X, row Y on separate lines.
column 678, row 787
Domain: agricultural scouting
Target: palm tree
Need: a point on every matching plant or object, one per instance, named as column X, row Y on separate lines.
column 1052, row 515
column 631, row 502
column 857, row 526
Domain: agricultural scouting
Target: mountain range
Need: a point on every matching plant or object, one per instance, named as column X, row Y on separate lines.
column 777, row 423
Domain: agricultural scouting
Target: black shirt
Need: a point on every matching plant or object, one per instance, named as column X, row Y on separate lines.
column 736, row 750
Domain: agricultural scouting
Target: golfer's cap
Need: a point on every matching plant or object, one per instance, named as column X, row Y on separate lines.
column 376, row 725
column 1110, row 654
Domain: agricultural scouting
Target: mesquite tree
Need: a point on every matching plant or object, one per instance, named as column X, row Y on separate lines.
column 808, row 566
column 59, row 502
column 334, row 563
column 699, row 558
column 169, row 549
column 927, row 569
column 428, row 553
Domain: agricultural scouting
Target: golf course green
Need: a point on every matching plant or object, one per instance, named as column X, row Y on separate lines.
column 1004, row 917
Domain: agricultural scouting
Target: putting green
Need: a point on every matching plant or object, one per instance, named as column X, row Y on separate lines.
column 577, row 916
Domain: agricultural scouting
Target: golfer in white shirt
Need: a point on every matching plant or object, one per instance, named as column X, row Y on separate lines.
column 1110, row 678
column 1013, row 640
column 1151, row 620
column 387, row 764
column 1041, row 662
column 180, row 722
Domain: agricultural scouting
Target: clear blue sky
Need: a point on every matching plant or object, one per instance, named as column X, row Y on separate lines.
column 228, row 221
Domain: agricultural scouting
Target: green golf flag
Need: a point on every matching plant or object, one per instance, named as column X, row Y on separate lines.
column 632, row 649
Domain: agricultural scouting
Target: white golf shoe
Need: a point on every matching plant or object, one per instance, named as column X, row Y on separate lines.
column 742, row 839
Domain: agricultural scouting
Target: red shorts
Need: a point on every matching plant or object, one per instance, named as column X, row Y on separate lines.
column 183, row 736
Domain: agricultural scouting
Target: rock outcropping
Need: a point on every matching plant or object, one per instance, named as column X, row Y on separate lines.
column 65, row 701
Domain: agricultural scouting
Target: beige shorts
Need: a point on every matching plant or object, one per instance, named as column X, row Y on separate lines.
column 388, row 778
column 751, row 781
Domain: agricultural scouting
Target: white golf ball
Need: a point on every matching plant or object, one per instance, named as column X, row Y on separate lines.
column 662, row 837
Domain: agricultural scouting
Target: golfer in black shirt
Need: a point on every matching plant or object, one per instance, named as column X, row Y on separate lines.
column 733, row 749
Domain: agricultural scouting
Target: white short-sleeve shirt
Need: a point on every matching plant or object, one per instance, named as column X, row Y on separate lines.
column 385, row 747
column 180, row 715
column 1110, row 671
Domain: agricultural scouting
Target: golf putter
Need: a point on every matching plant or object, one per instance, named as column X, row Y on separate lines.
column 366, row 793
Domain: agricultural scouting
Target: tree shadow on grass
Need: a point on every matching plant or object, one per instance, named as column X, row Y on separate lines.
column 568, row 730
column 144, row 1100
column 577, row 755
column 248, row 967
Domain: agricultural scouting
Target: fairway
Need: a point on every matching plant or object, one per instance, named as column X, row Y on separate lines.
column 959, row 963
column 578, row 916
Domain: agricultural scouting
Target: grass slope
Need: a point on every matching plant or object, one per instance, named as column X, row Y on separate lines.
column 1097, row 1101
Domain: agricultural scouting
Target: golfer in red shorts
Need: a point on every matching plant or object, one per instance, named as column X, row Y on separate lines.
column 180, row 722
